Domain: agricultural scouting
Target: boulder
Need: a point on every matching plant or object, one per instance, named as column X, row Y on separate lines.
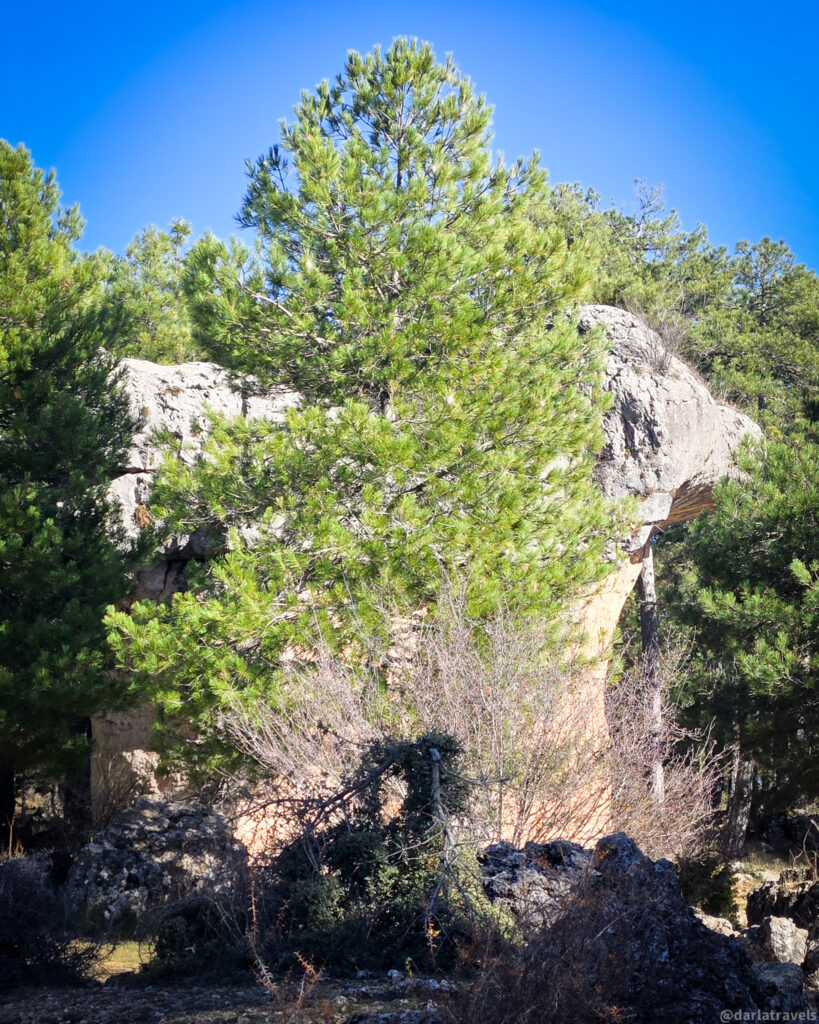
column 625, row 935
column 782, row 985
column 799, row 903
column 720, row 925
column 782, row 941
column 810, row 965
column 534, row 883
column 170, row 401
column 150, row 856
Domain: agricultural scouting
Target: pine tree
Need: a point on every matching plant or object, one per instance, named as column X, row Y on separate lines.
column 64, row 429
column 753, row 597
column 413, row 292
column 143, row 311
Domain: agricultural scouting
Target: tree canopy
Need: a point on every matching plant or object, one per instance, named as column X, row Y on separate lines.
column 414, row 291
column 64, row 430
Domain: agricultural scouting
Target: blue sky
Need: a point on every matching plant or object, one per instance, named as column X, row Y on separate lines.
column 148, row 110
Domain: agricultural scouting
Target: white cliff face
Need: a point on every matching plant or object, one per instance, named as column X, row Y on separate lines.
column 176, row 400
column 668, row 441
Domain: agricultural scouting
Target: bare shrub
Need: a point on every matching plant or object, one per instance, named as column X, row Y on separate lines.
column 677, row 826
column 503, row 689
column 670, row 326
column 335, row 710
column 507, row 692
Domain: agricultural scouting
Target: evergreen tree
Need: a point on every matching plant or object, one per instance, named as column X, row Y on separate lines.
column 752, row 594
column 143, row 311
column 64, row 430
column 414, row 292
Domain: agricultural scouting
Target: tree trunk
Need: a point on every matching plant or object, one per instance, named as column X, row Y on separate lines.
column 7, row 804
column 650, row 636
column 739, row 806
column 76, row 788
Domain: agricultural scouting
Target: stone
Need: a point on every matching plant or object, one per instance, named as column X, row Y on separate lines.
column 668, row 441
column 625, row 932
column 151, row 855
column 782, row 941
column 427, row 1016
column 810, row 964
column 782, row 985
column 175, row 400
column 720, row 925
column 534, row 883
column 798, row 902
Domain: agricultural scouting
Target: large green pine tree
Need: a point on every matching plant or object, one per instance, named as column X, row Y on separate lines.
column 64, row 430
column 415, row 292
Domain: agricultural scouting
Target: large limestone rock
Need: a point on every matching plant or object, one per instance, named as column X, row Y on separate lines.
column 175, row 400
column 172, row 400
column 668, row 442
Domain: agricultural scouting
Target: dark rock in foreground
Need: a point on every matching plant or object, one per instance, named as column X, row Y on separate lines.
column 619, row 938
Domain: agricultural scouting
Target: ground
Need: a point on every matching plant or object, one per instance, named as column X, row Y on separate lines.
column 121, row 996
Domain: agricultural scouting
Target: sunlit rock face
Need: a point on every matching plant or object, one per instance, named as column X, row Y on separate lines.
column 668, row 442
column 174, row 401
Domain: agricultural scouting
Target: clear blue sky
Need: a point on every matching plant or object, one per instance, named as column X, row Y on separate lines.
column 148, row 110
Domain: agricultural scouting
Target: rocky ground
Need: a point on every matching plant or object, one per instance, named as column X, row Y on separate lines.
column 125, row 1000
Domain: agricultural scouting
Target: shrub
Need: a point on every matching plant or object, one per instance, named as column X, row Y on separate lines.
column 370, row 883
column 198, row 937
column 37, row 943
column 708, row 883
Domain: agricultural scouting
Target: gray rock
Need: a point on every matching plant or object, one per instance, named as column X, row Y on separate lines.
column 799, row 902
column 668, row 441
column 151, row 855
column 534, row 883
column 810, row 965
column 720, row 925
column 175, row 400
column 626, row 931
column 754, row 942
column 783, row 987
column 782, row 941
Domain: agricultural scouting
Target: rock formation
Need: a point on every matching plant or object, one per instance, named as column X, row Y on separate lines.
column 152, row 855
column 609, row 931
column 172, row 400
column 668, row 442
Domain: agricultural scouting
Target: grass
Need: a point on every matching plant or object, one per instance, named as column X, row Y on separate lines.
column 123, row 958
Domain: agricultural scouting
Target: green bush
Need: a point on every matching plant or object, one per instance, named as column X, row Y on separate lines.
column 374, row 890
column 708, row 883
column 195, row 937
